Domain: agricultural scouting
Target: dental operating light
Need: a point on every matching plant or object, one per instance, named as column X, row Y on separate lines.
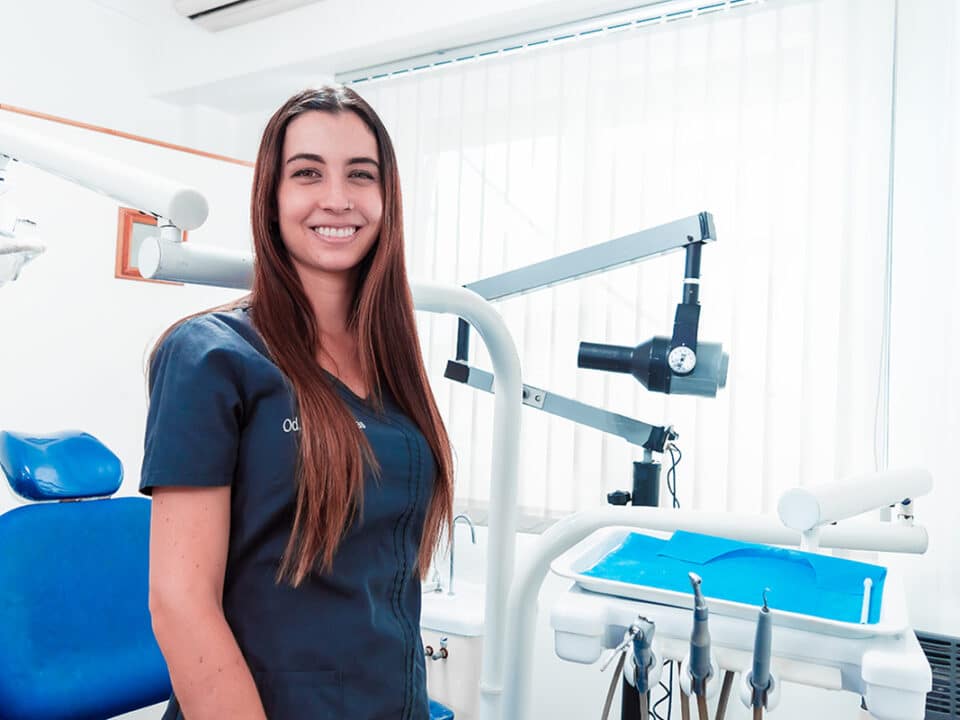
column 177, row 207
column 680, row 364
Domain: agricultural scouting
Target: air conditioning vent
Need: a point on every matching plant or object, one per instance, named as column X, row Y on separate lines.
column 222, row 14
column 943, row 654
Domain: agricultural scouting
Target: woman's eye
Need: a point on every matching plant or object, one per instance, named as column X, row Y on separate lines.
column 362, row 174
column 307, row 172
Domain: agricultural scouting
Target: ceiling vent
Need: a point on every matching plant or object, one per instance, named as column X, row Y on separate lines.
column 217, row 15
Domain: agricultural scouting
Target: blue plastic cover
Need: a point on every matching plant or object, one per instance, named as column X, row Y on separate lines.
column 805, row 583
column 75, row 634
column 439, row 712
column 69, row 464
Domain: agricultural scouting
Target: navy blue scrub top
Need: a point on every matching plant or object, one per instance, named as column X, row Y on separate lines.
column 345, row 644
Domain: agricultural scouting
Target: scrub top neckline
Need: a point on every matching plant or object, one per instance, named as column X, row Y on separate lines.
column 337, row 381
column 340, row 383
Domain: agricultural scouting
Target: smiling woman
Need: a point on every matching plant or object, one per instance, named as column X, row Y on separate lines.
column 300, row 471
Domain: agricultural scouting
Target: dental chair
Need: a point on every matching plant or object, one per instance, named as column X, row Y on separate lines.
column 75, row 636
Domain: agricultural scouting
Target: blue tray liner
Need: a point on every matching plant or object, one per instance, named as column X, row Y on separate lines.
column 805, row 583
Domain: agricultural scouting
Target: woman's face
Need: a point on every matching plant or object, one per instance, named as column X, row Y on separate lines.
column 329, row 200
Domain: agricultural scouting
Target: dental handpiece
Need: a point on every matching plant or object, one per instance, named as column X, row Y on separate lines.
column 760, row 677
column 643, row 654
column 700, row 665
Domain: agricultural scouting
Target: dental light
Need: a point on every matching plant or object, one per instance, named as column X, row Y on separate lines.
column 679, row 365
column 178, row 208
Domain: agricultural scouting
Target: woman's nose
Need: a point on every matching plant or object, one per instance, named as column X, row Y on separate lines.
column 336, row 198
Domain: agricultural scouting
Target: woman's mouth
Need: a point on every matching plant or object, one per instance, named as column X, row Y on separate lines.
column 335, row 234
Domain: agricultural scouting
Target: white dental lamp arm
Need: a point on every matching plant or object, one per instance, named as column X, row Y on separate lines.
column 810, row 508
column 184, row 206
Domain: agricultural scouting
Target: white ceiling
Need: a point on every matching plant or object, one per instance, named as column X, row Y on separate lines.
column 249, row 68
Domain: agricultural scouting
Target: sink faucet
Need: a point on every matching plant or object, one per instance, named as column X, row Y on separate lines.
column 453, row 534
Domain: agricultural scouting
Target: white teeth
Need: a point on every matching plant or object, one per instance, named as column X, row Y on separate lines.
column 335, row 232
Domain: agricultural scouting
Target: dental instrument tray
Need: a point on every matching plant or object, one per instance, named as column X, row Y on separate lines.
column 809, row 591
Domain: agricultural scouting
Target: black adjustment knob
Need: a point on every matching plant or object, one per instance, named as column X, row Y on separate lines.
column 618, row 497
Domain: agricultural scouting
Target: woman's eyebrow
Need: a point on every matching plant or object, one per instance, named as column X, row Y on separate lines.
column 313, row 157
column 307, row 156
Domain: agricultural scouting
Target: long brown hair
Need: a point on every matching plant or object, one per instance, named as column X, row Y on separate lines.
column 333, row 451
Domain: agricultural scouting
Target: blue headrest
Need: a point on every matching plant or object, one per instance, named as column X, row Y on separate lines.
column 75, row 633
column 64, row 465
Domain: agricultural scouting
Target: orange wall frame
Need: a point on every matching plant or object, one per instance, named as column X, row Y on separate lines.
column 125, row 267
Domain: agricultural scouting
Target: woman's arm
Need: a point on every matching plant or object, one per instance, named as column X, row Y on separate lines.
column 189, row 531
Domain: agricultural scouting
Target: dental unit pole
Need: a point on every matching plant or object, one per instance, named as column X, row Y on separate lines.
column 504, row 475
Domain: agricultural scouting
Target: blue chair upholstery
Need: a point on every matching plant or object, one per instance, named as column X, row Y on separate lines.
column 439, row 712
column 75, row 634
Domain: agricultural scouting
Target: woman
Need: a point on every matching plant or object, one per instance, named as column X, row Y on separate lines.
column 299, row 468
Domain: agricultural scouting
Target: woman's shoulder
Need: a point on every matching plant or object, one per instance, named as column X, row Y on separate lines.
column 227, row 335
column 225, row 329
